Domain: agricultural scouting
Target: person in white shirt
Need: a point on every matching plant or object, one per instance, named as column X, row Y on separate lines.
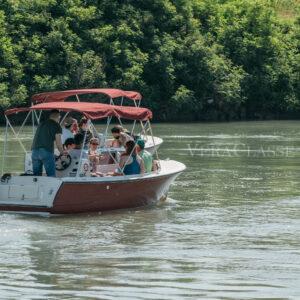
column 66, row 129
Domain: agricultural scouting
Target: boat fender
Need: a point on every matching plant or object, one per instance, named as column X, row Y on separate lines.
column 6, row 177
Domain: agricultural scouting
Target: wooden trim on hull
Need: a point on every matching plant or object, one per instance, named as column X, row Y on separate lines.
column 80, row 197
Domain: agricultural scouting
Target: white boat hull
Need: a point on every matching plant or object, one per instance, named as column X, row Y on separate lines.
column 86, row 194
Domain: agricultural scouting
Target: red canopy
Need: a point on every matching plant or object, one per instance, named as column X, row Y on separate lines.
column 62, row 95
column 92, row 110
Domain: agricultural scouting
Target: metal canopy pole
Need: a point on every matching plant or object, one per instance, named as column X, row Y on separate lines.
column 144, row 131
column 156, row 153
column 135, row 144
column 106, row 129
column 107, row 123
column 21, row 128
column 120, row 121
column 67, row 113
column 4, row 148
column 136, row 105
column 133, row 127
column 104, row 146
column 64, row 117
column 39, row 117
column 130, row 155
column 32, row 117
column 104, row 136
column 82, row 149
column 15, row 134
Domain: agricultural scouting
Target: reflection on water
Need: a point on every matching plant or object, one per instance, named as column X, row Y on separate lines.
column 230, row 230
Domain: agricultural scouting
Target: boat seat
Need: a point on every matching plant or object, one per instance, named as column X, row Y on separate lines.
column 110, row 168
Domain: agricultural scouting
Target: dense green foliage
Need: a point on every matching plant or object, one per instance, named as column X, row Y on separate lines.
column 191, row 59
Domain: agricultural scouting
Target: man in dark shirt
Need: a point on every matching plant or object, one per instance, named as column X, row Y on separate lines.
column 43, row 145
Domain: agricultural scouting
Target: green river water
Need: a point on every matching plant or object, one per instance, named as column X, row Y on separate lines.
column 229, row 230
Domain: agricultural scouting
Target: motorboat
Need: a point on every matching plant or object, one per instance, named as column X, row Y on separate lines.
column 75, row 189
column 113, row 96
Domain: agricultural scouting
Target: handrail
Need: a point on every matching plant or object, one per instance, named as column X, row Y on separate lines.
column 4, row 148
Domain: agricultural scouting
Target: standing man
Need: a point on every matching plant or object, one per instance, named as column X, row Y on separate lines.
column 43, row 145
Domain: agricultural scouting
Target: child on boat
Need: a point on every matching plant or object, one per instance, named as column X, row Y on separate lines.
column 94, row 156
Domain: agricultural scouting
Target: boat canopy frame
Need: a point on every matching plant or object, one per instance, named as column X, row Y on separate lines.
column 112, row 93
column 144, row 121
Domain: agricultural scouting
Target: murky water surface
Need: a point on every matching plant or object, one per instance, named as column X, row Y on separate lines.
column 229, row 230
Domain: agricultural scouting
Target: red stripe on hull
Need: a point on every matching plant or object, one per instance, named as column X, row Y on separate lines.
column 79, row 197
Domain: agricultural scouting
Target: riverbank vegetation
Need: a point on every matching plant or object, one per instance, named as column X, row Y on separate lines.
column 190, row 59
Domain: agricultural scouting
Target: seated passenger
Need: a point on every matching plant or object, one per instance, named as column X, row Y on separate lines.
column 131, row 161
column 76, row 152
column 145, row 155
column 94, row 156
column 69, row 144
column 66, row 129
column 120, row 137
column 85, row 130
column 74, row 128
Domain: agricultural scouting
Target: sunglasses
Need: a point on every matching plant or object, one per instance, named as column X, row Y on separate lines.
column 94, row 144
